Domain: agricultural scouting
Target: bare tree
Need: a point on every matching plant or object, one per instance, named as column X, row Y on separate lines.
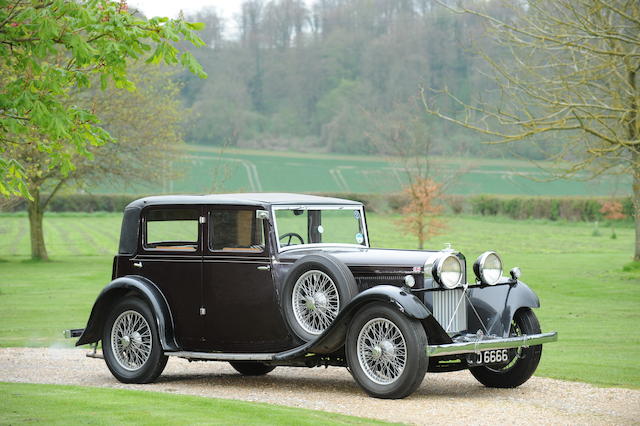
column 403, row 137
column 571, row 77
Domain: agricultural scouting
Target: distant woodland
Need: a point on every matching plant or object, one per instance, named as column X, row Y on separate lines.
column 335, row 76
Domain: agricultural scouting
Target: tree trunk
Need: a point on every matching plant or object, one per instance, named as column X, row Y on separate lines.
column 635, row 158
column 36, row 214
column 636, row 202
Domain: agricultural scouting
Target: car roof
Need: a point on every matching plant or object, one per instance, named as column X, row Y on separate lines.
column 249, row 199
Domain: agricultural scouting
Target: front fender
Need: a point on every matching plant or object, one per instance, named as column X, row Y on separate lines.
column 141, row 287
column 333, row 338
column 496, row 306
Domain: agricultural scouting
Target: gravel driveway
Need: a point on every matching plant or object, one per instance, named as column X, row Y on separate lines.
column 451, row 398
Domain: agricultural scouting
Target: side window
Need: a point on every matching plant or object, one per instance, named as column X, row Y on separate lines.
column 235, row 230
column 171, row 229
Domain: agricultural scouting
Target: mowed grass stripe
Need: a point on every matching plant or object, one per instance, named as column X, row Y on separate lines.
column 20, row 237
column 13, row 235
column 64, row 233
column 101, row 242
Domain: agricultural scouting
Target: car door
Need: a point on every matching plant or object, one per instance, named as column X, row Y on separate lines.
column 242, row 313
column 170, row 255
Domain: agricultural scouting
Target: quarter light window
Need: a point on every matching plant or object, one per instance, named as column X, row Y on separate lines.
column 235, row 230
column 172, row 229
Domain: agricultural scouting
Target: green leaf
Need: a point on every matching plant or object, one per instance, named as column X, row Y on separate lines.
column 196, row 26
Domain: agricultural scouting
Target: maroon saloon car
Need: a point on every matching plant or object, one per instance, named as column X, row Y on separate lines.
column 266, row 280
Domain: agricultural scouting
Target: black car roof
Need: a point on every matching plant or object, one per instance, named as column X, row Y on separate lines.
column 130, row 221
column 249, row 199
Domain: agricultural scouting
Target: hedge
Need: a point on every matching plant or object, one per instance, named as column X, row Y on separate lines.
column 552, row 208
column 77, row 203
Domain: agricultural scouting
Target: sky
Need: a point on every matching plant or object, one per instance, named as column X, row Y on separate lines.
column 171, row 8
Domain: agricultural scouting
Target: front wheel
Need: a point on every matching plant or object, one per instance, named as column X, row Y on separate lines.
column 130, row 343
column 522, row 361
column 386, row 352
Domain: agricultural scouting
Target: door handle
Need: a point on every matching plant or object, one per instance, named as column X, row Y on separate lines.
column 264, row 268
column 137, row 264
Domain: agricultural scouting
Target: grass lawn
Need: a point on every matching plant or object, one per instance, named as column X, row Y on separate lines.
column 67, row 405
column 585, row 294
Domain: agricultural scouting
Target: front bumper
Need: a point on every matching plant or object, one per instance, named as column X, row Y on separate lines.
column 477, row 343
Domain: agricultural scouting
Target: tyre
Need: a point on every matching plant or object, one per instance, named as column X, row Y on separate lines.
column 130, row 343
column 315, row 291
column 386, row 352
column 522, row 361
column 251, row 368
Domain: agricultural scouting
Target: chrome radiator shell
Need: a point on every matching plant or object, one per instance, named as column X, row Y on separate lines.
column 450, row 309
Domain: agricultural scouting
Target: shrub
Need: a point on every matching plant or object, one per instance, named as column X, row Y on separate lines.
column 552, row 208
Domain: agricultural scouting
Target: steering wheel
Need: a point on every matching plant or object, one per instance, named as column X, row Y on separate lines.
column 290, row 235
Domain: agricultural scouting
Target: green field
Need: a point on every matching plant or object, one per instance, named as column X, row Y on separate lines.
column 586, row 296
column 207, row 169
column 68, row 405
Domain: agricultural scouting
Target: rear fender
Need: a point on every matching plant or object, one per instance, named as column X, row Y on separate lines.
column 496, row 306
column 140, row 287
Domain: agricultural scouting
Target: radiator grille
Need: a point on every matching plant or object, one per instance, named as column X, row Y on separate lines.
column 444, row 308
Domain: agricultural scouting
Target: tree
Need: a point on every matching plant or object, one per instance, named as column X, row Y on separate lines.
column 404, row 137
column 147, row 124
column 419, row 215
column 570, row 79
column 612, row 210
column 48, row 48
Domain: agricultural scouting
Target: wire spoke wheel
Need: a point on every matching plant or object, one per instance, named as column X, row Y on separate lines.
column 131, row 340
column 315, row 301
column 382, row 351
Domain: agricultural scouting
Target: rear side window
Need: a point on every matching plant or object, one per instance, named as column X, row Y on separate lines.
column 235, row 230
column 172, row 229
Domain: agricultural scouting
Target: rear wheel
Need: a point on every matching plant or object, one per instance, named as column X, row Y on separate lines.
column 130, row 343
column 252, row 368
column 386, row 352
column 522, row 361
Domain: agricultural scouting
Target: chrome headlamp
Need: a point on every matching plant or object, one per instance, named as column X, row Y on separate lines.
column 488, row 268
column 447, row 270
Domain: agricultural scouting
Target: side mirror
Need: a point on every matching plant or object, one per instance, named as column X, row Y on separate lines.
column 262, row 214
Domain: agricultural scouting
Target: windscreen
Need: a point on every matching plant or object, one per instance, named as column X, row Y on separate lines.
column 322, row 225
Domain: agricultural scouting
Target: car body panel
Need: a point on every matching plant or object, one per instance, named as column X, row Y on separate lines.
column 497, row 304
column 140, row 287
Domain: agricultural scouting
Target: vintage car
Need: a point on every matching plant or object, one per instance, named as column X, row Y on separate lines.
column 266, row 280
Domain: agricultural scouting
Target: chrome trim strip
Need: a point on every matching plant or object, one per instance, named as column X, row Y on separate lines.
column 213, row 356
column 483, row 343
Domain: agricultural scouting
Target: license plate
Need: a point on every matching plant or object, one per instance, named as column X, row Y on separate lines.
column 496, row 356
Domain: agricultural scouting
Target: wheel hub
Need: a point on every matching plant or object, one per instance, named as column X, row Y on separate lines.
column 388, row 348
column 125, row 341
column 320, row 300
column 310, row 303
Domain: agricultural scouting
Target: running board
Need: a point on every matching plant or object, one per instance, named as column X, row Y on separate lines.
column 213, row 356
